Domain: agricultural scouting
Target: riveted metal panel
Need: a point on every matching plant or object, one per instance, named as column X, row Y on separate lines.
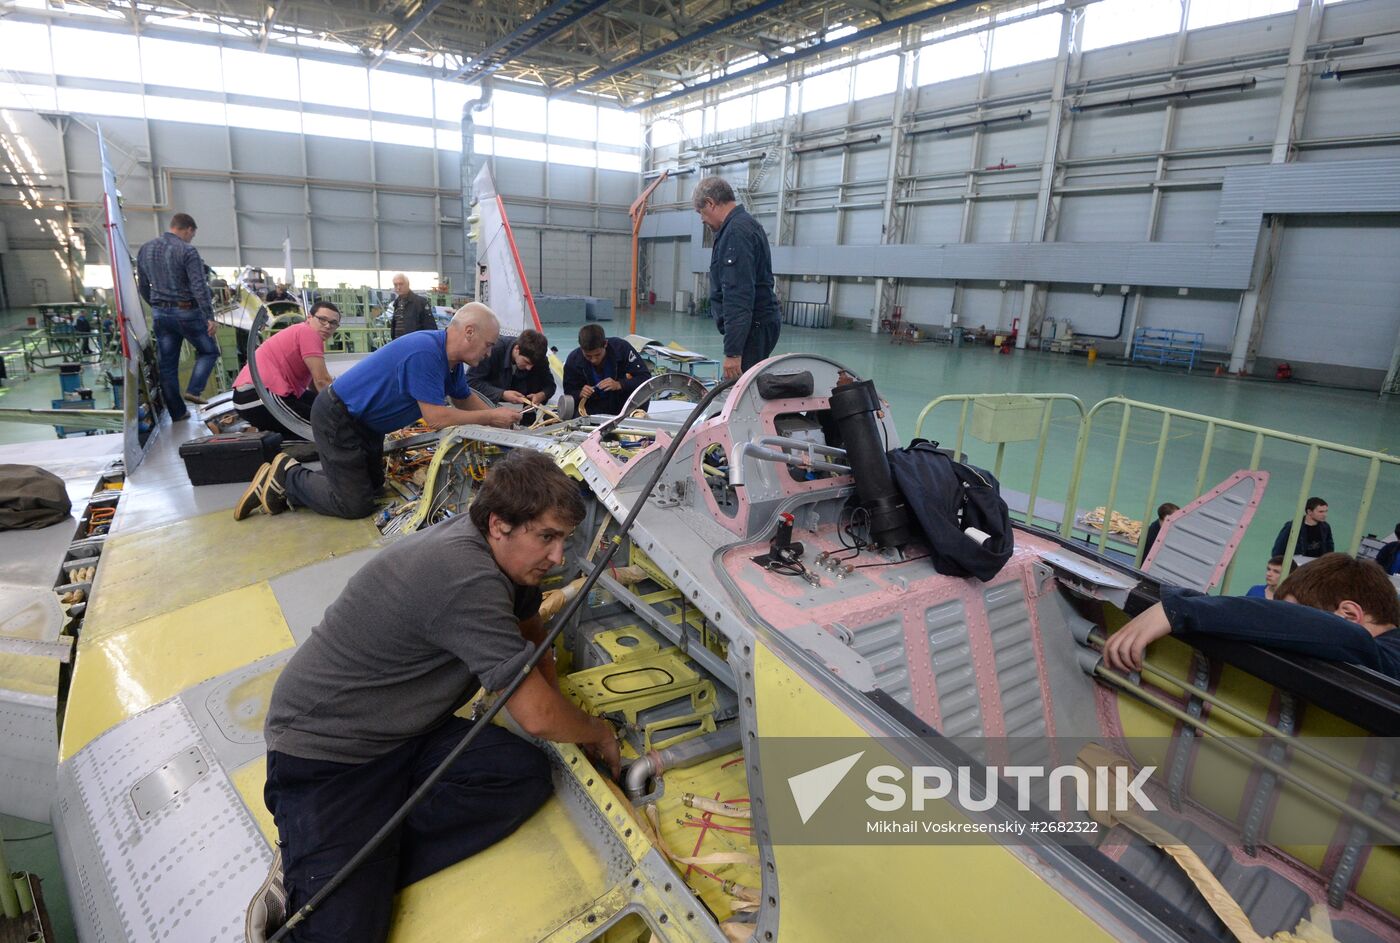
column 955, row 678
column 1018, row 672
column 881, row 644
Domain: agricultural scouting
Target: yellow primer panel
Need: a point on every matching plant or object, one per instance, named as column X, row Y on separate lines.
column 521, row 888
column 994, row 895
column 124, row 672
column 29, row 674
column 249, row 780
column 161, row 570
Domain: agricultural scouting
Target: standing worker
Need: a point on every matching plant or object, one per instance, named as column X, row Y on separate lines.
column 741, row 278
column 411, row 311
column 365, row 709
column 1314, row 537
column 172, row 282
column 406, row 380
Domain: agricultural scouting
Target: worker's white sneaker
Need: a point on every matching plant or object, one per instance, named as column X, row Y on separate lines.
column 267, row 911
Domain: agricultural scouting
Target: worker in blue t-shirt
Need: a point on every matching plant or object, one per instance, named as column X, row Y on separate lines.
column 420, row 375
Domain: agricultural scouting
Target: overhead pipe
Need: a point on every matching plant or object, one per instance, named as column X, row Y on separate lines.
column 835, row 145
column 1241, row 86
column 976, row 123
column 686, row 753
column 468, row 173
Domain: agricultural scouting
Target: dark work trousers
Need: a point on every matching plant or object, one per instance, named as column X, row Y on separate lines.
column 758, row 346
column 352, row 463
column 251, row 409
column 325, row 812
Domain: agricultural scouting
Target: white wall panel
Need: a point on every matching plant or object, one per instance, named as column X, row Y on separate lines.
column 1020, row 143
column 1101, row 316
column 1103, row 217
column 927, row 303
column 1234, row 118
column 851, row 299
column 1336, row 293
column 1338, row 109
column 815, row 229
column 819, row 168
column 863, row 227
column 520, row 178
column 1187, row 215
column 869, row 163
column 1222, row 42
column 335, row 159
column 267, row 152
column 1115, row 131
column 937, row 153
column 1212, row 313
column 1002, row 220
column 395, row 163
column 989, row 306
column 933, row 223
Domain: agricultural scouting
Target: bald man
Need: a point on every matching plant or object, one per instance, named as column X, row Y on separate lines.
column 422, row 375
column 410, row 312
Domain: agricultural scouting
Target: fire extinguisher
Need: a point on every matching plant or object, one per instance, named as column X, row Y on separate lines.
column 1284, row 371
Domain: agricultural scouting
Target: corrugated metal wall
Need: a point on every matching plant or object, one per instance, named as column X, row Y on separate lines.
column 971, row 198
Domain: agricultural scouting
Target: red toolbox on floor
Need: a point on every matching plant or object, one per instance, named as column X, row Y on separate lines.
column 229, row 457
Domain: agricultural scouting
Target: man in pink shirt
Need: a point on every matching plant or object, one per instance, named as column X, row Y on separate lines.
column 292, row 365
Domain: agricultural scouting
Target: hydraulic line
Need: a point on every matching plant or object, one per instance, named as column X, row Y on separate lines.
column 397, row 819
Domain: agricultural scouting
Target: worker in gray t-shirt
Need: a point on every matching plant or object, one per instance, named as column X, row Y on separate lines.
column 365, row 709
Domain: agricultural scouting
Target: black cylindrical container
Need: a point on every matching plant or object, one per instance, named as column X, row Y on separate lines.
column 854, row 406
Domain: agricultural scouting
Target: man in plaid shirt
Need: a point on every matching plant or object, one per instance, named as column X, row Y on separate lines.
column 173, row 283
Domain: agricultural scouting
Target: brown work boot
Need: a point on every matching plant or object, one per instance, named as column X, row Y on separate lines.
column 196, row 399
column 273, row 493
column 252, row 496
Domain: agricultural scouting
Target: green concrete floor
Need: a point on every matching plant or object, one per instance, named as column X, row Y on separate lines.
column 29, row 846
column 910, row 375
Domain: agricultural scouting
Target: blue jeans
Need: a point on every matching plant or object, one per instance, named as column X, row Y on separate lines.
column 173, row 327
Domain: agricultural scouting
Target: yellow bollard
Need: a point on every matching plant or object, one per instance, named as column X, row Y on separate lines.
column 1093, row 354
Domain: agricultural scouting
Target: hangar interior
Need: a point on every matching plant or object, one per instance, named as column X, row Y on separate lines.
column 1179, row 217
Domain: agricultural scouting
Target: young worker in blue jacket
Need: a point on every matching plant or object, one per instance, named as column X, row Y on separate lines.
column 602, row 372
column 1336, row 607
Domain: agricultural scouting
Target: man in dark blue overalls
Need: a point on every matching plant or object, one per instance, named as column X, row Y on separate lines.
column 602, row 372
column 741, row 277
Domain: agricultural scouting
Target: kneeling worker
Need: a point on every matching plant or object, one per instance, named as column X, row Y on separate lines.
column 401, row 382
column 366, row 708
column 602, row 372
column 516, row 371
column 292, row 365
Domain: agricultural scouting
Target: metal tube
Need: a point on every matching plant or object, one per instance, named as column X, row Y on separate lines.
column 1151, row 512
column 1076, row 471
column 752, row 450
column 1113, row 479
column 683, row 754
column 1201, row 470
column 784, row 442
column 1364, row 510
column 1046, row 409
column 962, row 428
column 1282, row 772
column 9, row 898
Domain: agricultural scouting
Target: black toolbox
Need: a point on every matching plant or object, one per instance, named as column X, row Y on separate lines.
column 229, row 457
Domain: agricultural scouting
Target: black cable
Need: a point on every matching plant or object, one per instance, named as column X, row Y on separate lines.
column 397, row 819
column 15, row 841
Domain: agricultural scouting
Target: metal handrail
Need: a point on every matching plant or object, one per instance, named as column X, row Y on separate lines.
column 1048, row 401
column 1169, row 416
column 1213, row 423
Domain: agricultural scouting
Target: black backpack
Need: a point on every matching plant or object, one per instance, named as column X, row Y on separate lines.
column 948, row 497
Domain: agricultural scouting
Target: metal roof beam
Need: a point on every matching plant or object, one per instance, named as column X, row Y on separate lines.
column 549, row 22
column 701, row 33
column 815, row 49
column 405, row 29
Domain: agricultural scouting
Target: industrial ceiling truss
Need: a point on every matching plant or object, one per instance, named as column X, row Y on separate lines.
column 630, row 52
